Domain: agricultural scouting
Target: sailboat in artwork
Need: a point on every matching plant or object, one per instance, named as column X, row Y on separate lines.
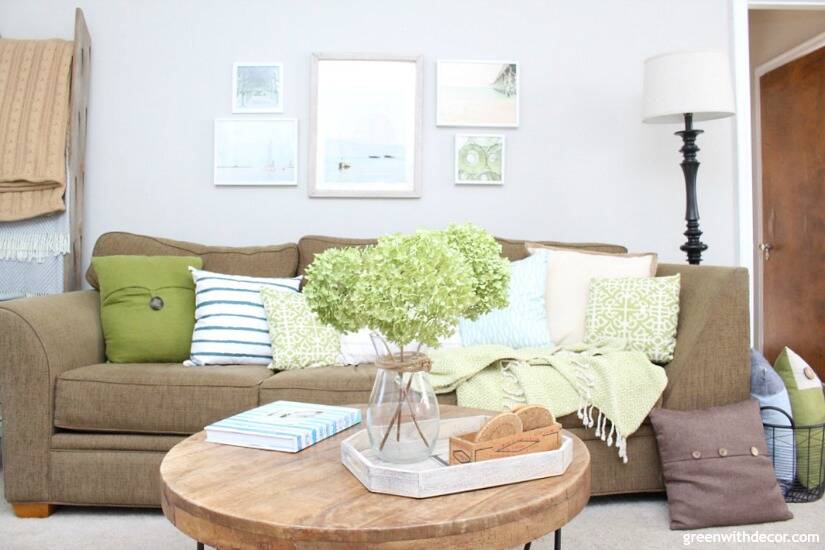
column 269, row 166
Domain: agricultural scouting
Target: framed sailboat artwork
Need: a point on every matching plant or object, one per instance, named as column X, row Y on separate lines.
column 256, row 151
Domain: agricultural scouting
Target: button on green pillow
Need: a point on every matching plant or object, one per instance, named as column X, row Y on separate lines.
column 147, row 307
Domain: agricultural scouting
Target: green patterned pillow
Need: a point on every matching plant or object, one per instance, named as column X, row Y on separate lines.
column 642, row 310
column 299, row 339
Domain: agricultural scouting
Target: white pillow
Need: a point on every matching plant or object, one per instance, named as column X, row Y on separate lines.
column 357, row 348
column 568, row 280
column 231, row 327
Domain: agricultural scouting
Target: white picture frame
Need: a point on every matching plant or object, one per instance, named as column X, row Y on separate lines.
column 365, row 126
column 479, row 159
column 478, row 93
column 255, row 151
column 257, row 87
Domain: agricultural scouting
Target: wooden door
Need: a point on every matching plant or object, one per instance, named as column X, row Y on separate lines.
column 793, row 201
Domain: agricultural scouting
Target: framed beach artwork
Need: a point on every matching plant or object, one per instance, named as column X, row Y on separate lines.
column 365, row 126
column 477, row 93
column 258, row 88
column 256, row 151
column 479, row 159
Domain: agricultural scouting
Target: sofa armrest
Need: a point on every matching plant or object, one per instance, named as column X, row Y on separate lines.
column 39, row 339
column 711, row 364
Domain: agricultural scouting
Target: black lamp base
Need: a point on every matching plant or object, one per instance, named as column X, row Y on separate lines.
column 690, row 166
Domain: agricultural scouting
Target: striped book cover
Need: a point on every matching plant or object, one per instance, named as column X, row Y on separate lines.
column 283, row 426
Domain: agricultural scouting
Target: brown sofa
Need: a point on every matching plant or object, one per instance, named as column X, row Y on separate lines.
column 84, row 432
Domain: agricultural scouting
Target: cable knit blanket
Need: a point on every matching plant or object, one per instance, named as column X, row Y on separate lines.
column 34, row 117
column 623, row 386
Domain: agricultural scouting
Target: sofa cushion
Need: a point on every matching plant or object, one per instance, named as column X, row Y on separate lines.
column 230, row 321
column 311, row 245
column 153, row 398
column 808, row 406
column 522, row 322
column 332, row 385
column 716, row 467
column 279, row 260
column 643, row 311
column 146, row 305
column 512, row 249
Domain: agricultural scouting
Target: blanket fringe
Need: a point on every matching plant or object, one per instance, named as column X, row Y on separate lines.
column 33, row 247
column 585, row 413
column 513, row 392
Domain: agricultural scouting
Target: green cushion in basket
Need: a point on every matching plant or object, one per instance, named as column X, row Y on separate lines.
column 147, row 307
column 808, row 405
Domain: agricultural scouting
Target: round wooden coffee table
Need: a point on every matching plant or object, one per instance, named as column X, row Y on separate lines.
column 239, row 498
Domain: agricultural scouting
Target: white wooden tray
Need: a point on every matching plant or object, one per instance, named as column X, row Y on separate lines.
column 434, row 476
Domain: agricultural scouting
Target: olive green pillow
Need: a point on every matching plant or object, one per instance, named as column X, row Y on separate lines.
column 808, row 406
column 147, row 307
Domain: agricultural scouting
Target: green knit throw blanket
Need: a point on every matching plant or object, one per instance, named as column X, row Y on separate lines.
column 623, row 386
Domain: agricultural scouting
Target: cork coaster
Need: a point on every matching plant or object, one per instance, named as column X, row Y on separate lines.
column 501, row 425
column 534, row 416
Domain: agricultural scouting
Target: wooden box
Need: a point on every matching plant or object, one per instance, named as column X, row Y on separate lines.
column 434, row 476
column 464, row 448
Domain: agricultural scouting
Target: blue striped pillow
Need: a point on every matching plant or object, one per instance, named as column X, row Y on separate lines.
column 230, row 321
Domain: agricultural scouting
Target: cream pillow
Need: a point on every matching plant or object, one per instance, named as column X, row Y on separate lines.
column 568, row 281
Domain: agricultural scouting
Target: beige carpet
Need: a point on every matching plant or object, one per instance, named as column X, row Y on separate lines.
column 637, row 522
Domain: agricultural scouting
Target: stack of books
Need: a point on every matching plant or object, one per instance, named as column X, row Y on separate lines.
column 283, row 426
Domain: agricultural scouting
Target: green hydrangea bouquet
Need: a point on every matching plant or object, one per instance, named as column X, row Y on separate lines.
column 411, row 290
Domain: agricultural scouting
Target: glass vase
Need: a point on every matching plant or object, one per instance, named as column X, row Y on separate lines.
column 402, row 416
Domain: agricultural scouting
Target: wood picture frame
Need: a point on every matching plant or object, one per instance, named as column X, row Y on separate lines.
column 366, row 121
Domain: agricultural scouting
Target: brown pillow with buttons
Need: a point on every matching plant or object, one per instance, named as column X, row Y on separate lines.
column 716, row 467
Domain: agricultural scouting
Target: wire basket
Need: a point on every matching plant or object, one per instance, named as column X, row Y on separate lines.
column 798, row 455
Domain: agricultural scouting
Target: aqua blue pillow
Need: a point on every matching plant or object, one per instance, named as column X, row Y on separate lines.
column 523, row 323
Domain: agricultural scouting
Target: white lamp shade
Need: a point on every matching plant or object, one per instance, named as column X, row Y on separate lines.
column 687, row 82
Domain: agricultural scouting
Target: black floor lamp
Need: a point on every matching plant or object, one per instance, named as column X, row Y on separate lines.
column 689, row 87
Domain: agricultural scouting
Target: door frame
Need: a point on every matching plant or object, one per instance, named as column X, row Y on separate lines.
column 748, row 164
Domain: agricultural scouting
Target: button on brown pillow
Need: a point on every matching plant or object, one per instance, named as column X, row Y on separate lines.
column 716, row 467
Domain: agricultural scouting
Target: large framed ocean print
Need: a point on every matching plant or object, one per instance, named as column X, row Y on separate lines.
column 365, row 126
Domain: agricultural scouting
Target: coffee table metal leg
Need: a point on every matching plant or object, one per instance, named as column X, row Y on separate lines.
column 199, row 546
column 557, row 539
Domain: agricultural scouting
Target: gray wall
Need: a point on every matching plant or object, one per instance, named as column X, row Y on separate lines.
column 582, row 166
